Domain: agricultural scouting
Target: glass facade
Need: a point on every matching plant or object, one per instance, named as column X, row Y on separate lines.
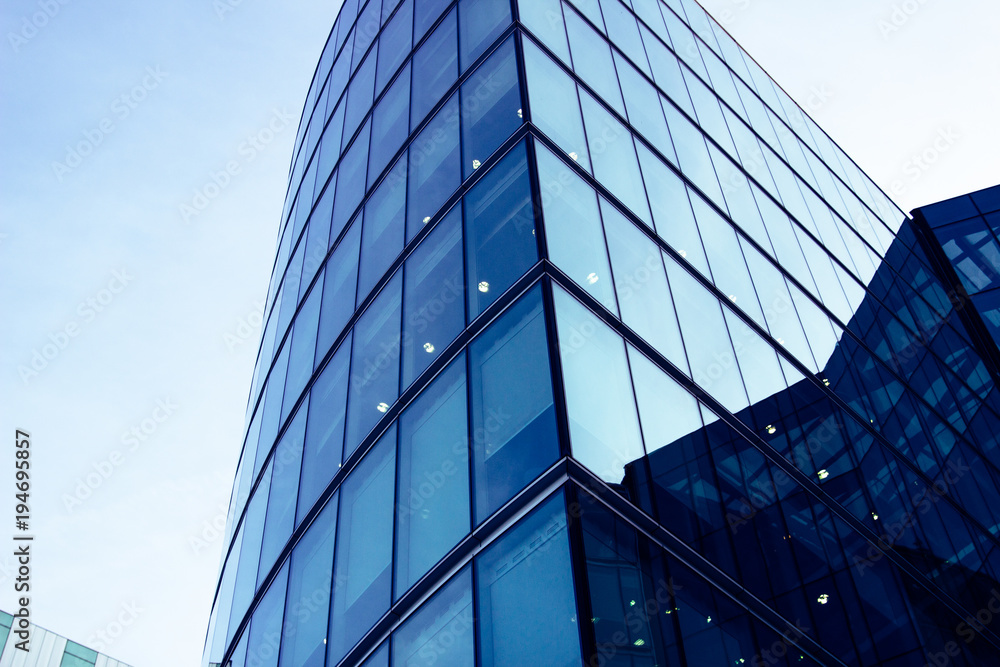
column 585, row 345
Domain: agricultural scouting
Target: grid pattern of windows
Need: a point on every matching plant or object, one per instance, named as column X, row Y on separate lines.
column 585, row 344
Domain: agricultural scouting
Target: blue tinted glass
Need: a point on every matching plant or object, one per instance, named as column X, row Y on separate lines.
column 545, row 19
column 265, row 628
column 351, row 182
column 480, row 22
column 435, row 67
column 623, row 32
column 269, row 423
column 513, row 417
column 618, row 168
column 359, row 97
column 522, row 622
column 339, row 286
column 246, row 575
column 500, row 230
column 364, row 549
column 382, row 235
column 300, row 358
column 394, row 45
column 555, row 107
column 434, row 169
column 368, row 25
column 434, row 296
column 573, row 234
column 379, row 658
column 281, row 500
column 603, row 424
column 324, row 444
column 592, row 61
column 309, row 585
column 329, row 147
column 425, row 14
column 374, row 364
column 491, row 107
column 390, row 125
column 442, row 631
column 433, row 510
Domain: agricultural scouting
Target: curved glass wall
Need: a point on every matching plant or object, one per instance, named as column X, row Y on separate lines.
column 586, row 345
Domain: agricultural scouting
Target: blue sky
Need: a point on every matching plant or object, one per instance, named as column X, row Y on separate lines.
column 146, row 324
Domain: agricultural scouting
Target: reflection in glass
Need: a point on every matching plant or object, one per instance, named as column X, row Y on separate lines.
column 442, row 631
column 491, row 107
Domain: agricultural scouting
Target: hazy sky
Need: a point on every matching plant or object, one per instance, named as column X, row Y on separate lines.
column 131, row 334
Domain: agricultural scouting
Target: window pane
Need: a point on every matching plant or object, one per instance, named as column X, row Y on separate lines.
column 592, row 61
column 379, row 658
column 513, row 418
column 442, row 631
column 573, row 233
column 623, row 32
column 433, row 509
column 641, row 283
column 364, row 548
column 309, row 586
column 644, row 111
column 374, row 365
column 324, row 446
column 339, row 287
column 603, row 424
column 545, row 19
column 491, row 107
column 435, row 67
column 500, row 230
column 618, row 168
column 303, row 342
column 555, row 107
column 359, row 98
column 520, row 621
column 390, row 125
column 480, row 22
column 265, row 628
column 351, row 182
column 426, row 13
column 667, row 411
column 246, row 575
column 434, row 303
column 435, row 171
column 281, row 499
column 394, row 45
column 382, row 234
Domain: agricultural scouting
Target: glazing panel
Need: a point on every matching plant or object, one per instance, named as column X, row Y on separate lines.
column 603, row 424
column 360, row 95
column 617, row 169
column 265, row 628
column 706, row 337
column 351, row 182
column 573, row 233
column 300, row 358
column 382, row 233
column 434, row 296
column 623, row 32
column 491, row 107
column 435, row 67
column 513, row 416
column 379, row 658
column 390, row 125
column 641, row 283
column 544, row 18
column 520, row 622
column 695, row 162
column 442, row 631
column 434, row 170
column 555, row 107
column 363, row 564
column 253, row 534
column 395, row 44
column 666, row 71
column 480, row 22
column 499, row 230
column 280, row 519
column 374, row 364
column 433, row 509
column 324, row 445
column 425, row 14
column 592, row 61
column 310, row 581
column 339, row 286
column 644, row 111
column 666, row 410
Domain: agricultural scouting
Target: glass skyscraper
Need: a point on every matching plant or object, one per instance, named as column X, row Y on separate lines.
column 586, row 346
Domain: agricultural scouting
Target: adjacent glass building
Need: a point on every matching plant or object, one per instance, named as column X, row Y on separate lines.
column 586, row 346
column 47, row 649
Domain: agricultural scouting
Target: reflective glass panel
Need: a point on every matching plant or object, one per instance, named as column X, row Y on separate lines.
column 442, row 631
column 491, row 107
column 435, row 170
